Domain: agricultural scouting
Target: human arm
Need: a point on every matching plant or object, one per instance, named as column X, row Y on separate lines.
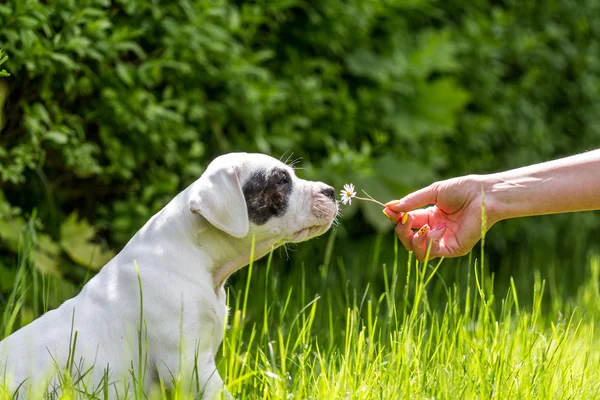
column 564, row 185
column 453, row 223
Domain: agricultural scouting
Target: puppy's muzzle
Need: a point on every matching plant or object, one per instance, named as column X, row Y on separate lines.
column 324, row 207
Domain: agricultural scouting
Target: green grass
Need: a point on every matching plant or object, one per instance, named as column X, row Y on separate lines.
column 307, row 334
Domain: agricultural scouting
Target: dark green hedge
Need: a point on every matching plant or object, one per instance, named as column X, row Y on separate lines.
column 114, row 106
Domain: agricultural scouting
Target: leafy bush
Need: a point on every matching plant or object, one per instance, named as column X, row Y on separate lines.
column 114, row 106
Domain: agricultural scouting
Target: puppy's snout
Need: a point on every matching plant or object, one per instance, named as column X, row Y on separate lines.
column 329, row 192
column 324, row 205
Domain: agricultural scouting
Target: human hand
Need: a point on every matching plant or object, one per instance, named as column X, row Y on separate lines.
column 452, row 224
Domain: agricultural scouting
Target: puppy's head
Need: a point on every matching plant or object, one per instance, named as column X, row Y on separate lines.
column 245, row 195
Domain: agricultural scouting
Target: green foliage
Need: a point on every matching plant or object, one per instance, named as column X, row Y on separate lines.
column 112, row 107
column 75, row 244
column 76, row 240
column 3, row 89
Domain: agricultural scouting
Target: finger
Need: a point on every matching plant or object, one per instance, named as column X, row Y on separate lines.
column 404, row 231
column 414, row 200
column 430, row 240
column 392, row 215
column 420, row 217
column 419, row 242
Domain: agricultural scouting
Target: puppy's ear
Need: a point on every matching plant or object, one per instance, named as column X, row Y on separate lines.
column 218, row 197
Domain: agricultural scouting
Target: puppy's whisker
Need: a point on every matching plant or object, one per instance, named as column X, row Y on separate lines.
column 288, row 157
column 292, row 164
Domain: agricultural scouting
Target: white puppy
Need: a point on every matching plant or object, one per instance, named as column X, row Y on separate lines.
column 183, row 254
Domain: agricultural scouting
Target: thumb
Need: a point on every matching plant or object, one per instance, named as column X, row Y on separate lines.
column 420, row 198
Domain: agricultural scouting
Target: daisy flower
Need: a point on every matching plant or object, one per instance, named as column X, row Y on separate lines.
column 348, row 194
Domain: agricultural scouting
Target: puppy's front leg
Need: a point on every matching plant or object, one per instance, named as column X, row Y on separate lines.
column 213, row 388
column 194, row 374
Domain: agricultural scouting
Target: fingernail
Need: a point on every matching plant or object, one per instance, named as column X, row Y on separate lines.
column 424, row 229
column 404, row 218
column 386, row 214
column 392, row 203
column 439, row 228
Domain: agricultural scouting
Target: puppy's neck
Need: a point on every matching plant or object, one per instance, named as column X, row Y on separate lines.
column 227, row 255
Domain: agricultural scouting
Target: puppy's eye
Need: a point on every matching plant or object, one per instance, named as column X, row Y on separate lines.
column 284, row 180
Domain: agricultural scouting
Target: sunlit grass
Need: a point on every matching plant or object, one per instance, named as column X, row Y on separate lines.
column 471, row 348
column 286, row 339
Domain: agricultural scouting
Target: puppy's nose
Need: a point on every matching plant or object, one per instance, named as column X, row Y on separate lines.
column 329, row 192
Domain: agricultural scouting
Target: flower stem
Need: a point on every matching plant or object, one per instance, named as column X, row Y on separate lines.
column 369, row 199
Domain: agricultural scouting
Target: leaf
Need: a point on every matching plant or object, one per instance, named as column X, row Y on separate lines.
column 3, row 97
column 432, row 111
column 436, row 53
column 133, row 47
column 10, row 230
column 78, row 43
column 124, row 72
column 57, row 137
column 65, row 60
column 45, row 255
column 76, row 240
column 26, row 21
column 365, row 63
column 41, row 113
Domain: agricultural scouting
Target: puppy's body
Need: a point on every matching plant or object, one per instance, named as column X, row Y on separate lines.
column 184, row 254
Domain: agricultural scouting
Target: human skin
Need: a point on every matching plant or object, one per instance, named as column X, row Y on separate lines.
column 453, row 221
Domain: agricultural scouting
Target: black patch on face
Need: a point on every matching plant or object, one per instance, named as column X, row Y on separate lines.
column 267, row 194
